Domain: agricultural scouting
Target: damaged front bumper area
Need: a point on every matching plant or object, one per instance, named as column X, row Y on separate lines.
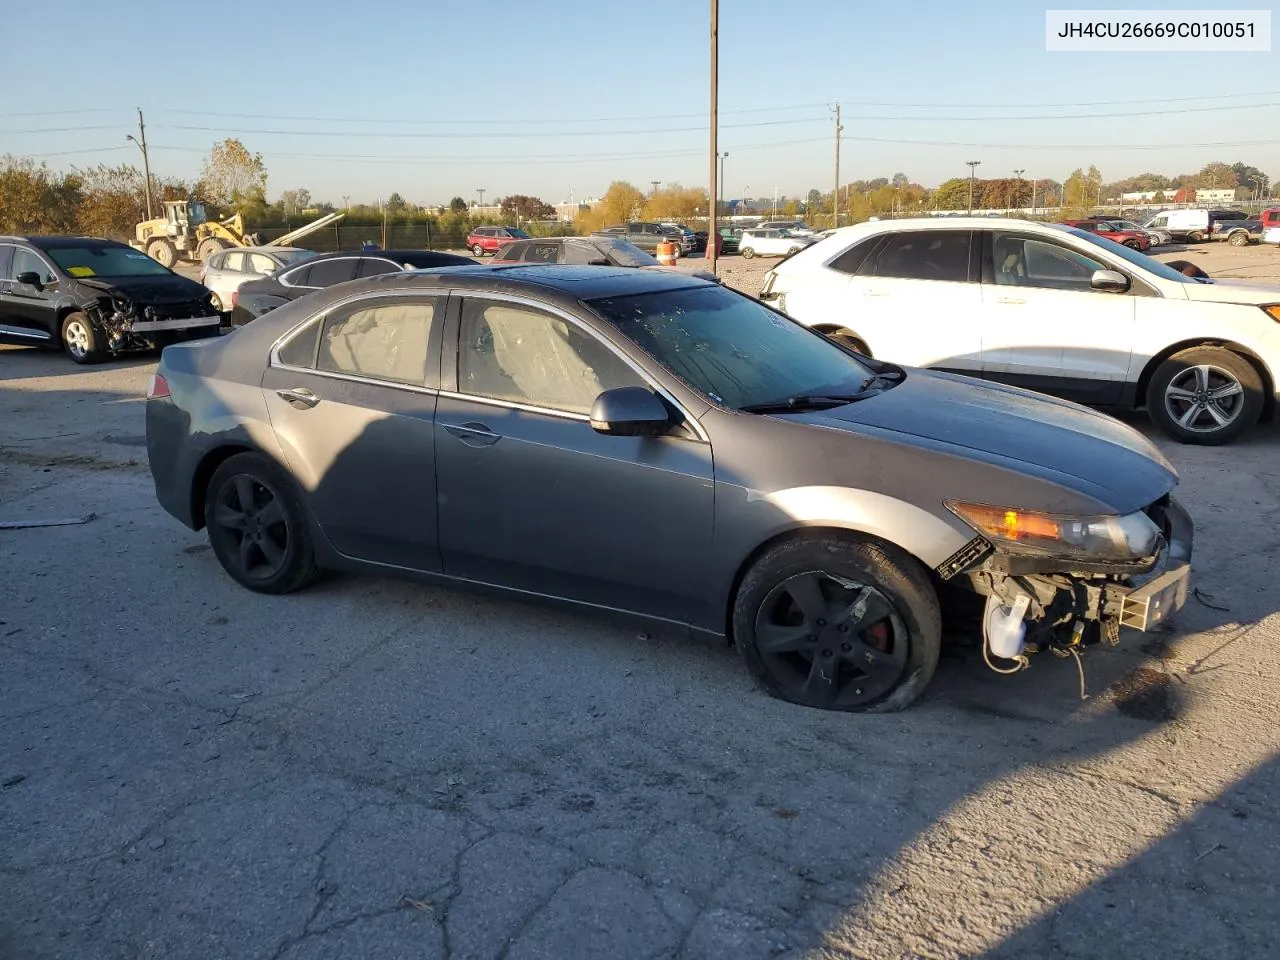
column 126, row 325
column 1038, row 603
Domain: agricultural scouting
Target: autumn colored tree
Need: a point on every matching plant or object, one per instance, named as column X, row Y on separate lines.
column 674, row 202
column 35, row 200
column 232, row 177
column 113, row 201
column 620, row 203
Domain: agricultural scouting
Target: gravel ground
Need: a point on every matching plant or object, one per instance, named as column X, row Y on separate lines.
column 379, row 769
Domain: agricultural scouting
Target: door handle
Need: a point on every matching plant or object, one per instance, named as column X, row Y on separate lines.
column 1010, row 300
column 299, row 397
column 473, row 434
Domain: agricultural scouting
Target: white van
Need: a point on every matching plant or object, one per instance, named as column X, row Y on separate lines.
column 1190, row 225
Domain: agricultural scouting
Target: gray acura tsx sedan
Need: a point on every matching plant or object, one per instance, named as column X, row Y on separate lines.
column 662, row 446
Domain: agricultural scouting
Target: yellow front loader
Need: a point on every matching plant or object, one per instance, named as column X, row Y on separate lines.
column 185, row 232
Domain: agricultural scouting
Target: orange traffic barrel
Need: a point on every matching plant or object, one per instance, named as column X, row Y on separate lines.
column 666, row 253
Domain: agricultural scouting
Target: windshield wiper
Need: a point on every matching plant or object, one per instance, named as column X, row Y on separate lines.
column 802, row 401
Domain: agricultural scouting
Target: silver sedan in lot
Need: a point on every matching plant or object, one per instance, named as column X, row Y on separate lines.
column 662, row 446
column 224, row 273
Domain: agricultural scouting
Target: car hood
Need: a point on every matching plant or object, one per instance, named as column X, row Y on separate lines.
column 1234, row 291
column 1061, row 442
column 172, row 289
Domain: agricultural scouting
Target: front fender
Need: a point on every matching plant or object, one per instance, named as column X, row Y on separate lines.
column 927, row 536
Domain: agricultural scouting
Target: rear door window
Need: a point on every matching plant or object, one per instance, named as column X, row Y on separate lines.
column 373, row 266
column 233, row 261
column 325, row 273
column 925, row 255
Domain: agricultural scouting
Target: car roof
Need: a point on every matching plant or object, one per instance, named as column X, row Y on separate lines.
column 581, row 282
column 266, row 248
column 871, row 227
column 54, row 242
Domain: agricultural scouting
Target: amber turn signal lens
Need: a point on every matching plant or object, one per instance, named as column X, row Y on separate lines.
column 1273, row 311
column 1009, row 524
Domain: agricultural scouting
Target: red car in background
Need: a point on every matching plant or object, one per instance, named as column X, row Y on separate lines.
column 490, row 240
column 1136, row 239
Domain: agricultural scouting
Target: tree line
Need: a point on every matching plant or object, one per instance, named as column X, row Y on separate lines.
column 108, row 201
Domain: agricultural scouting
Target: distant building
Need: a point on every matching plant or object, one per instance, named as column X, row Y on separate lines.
column 1215, row 196
column 1141, row 196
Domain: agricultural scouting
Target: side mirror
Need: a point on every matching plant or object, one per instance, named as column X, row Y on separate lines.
column 630, row 412
column 1111, row 281
column 31, row 279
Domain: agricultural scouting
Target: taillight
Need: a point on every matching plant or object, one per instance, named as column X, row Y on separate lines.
column 158, row 388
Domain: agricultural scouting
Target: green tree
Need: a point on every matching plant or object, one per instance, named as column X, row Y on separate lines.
column 814, row 199
column 395, row 203
column 526, row 208
column 1081, row 190
column 232, row 177
column 1217, row 175
column 457, row 205
column 35, row 200
column 294, row 202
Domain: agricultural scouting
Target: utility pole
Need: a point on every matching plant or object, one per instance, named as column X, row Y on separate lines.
column 655, row 187
column 141, row 141
column 722, row 158
column 713, row 235
column 775, row 204
column 480, row 191
column 835, row 196
column 1033, row 197
column 1017, row 190
column 973, row 165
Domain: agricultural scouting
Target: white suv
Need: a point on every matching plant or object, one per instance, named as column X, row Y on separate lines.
column 1048, row 307
column 771, row 243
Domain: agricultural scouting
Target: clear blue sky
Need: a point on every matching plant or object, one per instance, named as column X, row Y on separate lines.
column 435, row 99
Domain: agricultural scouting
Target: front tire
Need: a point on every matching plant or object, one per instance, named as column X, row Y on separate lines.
column 208, row 247
column 477, row 250
column 1133, row 244
column 838, row 622
column 257, row 525
column 1205, row 396
column 162, row 252
column 82, row 342
column 747, row 253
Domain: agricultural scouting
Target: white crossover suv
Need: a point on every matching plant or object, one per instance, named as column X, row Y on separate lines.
column 1048, row 307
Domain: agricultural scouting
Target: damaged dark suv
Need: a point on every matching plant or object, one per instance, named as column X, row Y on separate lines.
column 96, row 298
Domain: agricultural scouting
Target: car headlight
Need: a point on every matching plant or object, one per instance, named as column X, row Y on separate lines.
column 1130, row 537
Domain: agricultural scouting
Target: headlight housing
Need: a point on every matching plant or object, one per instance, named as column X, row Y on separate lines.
column 1272, row 310
column 1094, row 539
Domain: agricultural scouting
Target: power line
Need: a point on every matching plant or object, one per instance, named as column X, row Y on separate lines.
column 68, row 153
column 547, row 158
column 104, row 126
column 55, row 113
column 1068, row 146
column 401, row 135
column 685, row 116
column 1083, row 116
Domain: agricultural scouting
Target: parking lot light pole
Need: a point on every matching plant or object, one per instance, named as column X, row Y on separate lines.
column 1017, row 190
column 973, row 164
column 715, row 146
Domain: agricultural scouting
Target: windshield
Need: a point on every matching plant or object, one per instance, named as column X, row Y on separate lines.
column 731, row 348
column 626, row 254
column 105, row 261
column 196, row 213
column 513, row 232
column 1134, row 257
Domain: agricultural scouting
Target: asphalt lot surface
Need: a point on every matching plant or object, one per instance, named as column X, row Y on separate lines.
column 379, row 769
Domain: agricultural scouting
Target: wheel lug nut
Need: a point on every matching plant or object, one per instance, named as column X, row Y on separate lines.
column 827, row 653
column 843, row 628
column 846, row 647
column 822, row 623
column 812, row 638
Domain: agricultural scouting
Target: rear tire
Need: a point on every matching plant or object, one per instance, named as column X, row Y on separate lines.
column 162, row 252
column 1238, row 239
column 851, row 341
column 477, row 250
column 838, row 622
column 1205, row 396
column 1196, row 237
column 747, row 253
column 1133, row 244
column 80, row 339
column 258, row 526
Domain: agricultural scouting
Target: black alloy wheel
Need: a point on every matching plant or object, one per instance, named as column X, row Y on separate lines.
column 257, row 525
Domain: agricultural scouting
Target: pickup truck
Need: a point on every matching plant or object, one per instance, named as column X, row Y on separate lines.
column 647, row 236
column 1238, row 233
